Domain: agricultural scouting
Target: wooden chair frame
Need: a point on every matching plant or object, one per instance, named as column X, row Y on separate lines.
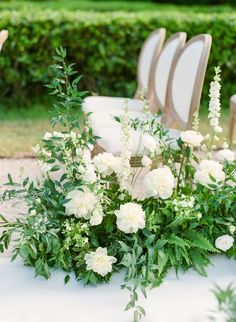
column 232, row 119
column 171, row 117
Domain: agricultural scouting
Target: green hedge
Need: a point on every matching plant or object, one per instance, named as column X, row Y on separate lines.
column 105, row 46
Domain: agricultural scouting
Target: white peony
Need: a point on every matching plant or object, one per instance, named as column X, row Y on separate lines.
column 192, row 138
column 130, row 218
column 159, row 183
column 225, row 155
column 146, row 161
column 99, row 261
column 106, row 163
column 208, row 169
column 81, row 203
column 150, row 143
column 224, row 242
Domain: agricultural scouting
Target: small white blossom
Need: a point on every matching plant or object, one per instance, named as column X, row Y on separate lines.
column 130, row 218
column 225, row 155
column 159, row 183
column 106, row 163
column 224, row 242
column 192, row 138
column 232, row 229
column 99, row 262
column 150, row 143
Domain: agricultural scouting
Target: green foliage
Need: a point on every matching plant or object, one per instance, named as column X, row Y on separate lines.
column 105, row 45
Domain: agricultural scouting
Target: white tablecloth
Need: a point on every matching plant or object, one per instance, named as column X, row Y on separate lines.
column 24, row 298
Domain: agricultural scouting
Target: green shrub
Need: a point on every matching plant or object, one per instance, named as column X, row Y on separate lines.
column 105, row 45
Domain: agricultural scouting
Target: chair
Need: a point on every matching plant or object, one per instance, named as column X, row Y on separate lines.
column 157, row 90
column 183, row 93
column 150, row 50
column 3, row 37
column 232, row 118
column 186, row 82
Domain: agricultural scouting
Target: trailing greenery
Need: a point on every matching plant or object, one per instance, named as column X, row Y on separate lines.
column 105, row 45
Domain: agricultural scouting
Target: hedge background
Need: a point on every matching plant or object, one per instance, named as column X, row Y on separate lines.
column 105, row 46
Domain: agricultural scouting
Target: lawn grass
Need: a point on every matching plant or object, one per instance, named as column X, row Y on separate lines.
column 94, row 5
column 22, row 129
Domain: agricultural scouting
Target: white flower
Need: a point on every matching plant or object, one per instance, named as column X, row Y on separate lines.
column 47, row 136
column 208, row 169
column 159, row 183
column 36, row 149
column 130, row 218
column 146, row 161
column 96, row 219
column 150, row 143
column 89, row 175
column 225, row 155
column 81, row 204
column 214, row 104
column 99, row 261
column 192, row 138
column 224, row 242
column 106, row 163
column 232, row 229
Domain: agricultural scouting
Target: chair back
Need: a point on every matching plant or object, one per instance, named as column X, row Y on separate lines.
column 186, row 82
column 150, row 50
column 162, row 67
column 3, row 37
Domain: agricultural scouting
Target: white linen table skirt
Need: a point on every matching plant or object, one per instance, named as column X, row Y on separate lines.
column 24, row 298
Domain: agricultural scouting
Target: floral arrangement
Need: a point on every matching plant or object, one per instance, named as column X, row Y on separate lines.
column 88, row 214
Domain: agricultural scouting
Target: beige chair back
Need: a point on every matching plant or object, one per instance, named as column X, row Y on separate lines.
column 3, row 37
column 150, row 50
column 186, row 82
column 162, row 68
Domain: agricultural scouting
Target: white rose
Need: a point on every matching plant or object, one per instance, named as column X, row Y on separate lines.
column 146, row 161
column 81, row 203
column 106, row 163
column 224, row 242
column 159, row 183
column 192, row 138
column 208, row 169
column 99, row 261
column 148, row 142
column 225, row 155
column 130, row 218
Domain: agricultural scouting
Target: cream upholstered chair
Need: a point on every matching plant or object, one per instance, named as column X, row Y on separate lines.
column 232, row 119
column 183, row 94
column 3, row 37
column 150, row 50
column 162, row 66
column 186, row 82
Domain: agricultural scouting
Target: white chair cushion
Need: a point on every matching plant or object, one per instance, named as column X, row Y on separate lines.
column 110, row 139
column 105, row 103
column 106, row 119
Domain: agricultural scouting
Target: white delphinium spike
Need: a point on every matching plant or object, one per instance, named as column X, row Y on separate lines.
column 125, row 169
column 214, row 104
column 146, row 102
column 195, row 124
